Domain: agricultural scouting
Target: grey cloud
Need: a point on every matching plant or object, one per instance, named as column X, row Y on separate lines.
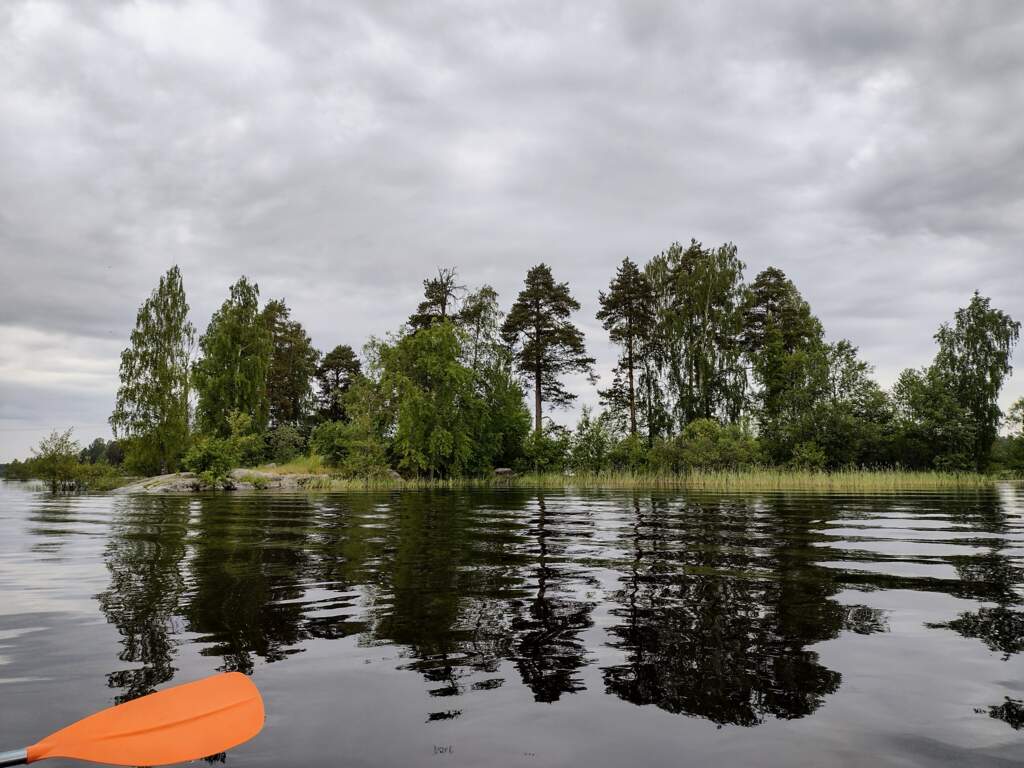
column 339, row 153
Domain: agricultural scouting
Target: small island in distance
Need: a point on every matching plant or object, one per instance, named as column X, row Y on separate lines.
column 720, row 384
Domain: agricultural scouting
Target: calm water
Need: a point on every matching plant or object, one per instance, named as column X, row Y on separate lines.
column 535, row 629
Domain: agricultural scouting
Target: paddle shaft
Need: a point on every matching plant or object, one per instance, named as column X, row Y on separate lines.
column 14, row 757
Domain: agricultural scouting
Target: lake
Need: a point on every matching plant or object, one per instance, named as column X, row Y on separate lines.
column 519, row 628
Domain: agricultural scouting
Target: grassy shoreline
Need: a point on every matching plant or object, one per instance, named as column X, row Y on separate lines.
column 757, row 479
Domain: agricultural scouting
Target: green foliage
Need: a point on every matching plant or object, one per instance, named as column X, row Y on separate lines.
column 212, row 458
column 152, row 406
column 284, row 443
column 933, row 429
column 293, row 364
column 706, row 444
column 546, row 451
column 698, row 302
column 973, row 362
column 592, row 442
column 781, row 339
column 352, row 447
column 236, row 354
column 630, row 454
column 627, row 313
column 808, row 455
column 338, row 370
column 434, row 399
column 55, row 460
column 439, row 296
column 547, row 345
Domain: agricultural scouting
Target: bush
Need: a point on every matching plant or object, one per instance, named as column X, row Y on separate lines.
column 55, row 460
column 706, row 444
column 284, row 443
column 547, row 451
column 808, row 455
column 629, row 454
column 592, row 443
column 212, row 459
column 352, row 447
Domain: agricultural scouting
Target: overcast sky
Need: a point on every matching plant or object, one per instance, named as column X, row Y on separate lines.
column 337, row 153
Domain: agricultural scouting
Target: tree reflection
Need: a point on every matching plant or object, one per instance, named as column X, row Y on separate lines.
column 717, row 610
column 144, row 555
column 248, row 569
column 547, row 648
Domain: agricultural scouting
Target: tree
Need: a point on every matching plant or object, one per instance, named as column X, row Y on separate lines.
column 547, row 344
column 440, row 294
column 933, row 429
column 699, row 296
column 480, row 319
column 779, row 334
column 152, row 408
column 55, row 460
column 434, row 401
column 627, row 313
column 293, row 363
column 973, row 362
column 337, row 371
column 236, row 353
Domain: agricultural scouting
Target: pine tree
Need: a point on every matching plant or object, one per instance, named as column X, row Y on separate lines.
column 627, row 314
column 440, row 296
column 547, row 344
column 236, row 350
column 152, row 406
column 339, row 369
column 293, row 363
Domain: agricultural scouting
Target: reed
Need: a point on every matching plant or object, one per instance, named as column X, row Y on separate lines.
column 862, row 481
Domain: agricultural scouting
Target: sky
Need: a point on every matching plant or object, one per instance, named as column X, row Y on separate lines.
column 338, row 153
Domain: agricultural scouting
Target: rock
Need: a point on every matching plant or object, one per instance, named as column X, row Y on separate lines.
column 503, row 472
column 394, row 475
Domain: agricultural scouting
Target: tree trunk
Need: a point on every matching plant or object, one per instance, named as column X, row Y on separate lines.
column 537, row 400
column 632, row 391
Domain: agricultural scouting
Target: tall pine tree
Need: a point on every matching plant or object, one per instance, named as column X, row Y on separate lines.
column 547, row 344
column 627, row 314
column 293, row 363
column 337, row 372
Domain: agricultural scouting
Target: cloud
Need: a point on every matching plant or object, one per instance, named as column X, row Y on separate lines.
column 339, row 153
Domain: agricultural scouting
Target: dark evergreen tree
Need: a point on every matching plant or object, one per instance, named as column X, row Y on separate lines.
column 440, row 295
column 547, row 344
column 338, row 370
column 293, row 363
column 627, row 313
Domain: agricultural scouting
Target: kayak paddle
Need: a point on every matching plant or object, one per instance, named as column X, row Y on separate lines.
column 182, row 723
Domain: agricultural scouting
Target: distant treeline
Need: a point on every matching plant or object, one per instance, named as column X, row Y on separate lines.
column 713, row 372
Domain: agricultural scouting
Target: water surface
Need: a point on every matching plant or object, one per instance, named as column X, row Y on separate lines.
column 533, row 628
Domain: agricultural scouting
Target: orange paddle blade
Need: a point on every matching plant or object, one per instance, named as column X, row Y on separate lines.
column 186, row 722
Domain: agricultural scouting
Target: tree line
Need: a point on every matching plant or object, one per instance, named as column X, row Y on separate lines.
column 713, row 372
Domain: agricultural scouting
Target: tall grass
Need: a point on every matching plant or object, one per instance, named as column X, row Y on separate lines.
column 755, row 479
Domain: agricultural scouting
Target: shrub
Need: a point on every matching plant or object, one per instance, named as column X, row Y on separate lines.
column 284, row 443
column 592, row 443
column 547, row 451
column 352, row 447
column 55, row 460
column 212, row 459
column 808, row 455
column 629, row 454
column 706, row 444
